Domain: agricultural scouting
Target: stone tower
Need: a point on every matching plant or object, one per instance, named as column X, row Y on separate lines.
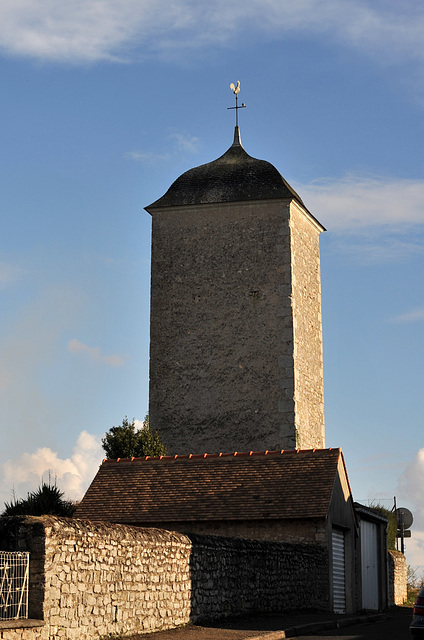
column 235, row 334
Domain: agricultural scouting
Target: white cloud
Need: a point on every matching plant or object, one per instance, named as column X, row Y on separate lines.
column 91, row 30
column 114, row 360
column 370, row 219
column 414, row 550
column 410, row 490
column 355, row 202
column 75, row 30
column 73, row 474
column 411, row 487
column 139, row 424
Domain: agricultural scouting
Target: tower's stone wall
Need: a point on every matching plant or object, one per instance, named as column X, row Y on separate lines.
column 307, row 329
column 229, row 367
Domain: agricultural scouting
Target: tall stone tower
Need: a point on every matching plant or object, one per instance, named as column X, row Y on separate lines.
column 235, row 334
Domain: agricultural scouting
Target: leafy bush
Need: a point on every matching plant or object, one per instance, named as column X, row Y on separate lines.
column 126, row 441
column 391, row 517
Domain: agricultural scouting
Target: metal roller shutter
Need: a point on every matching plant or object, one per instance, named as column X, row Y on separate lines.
column 339, row 586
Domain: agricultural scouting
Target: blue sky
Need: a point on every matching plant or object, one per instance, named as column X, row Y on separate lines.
column 103, row 104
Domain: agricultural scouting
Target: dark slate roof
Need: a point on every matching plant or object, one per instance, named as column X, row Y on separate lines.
column 238, row 486
column 234, row 177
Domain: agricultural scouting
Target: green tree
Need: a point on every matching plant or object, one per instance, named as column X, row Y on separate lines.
column 46, row 500
column 126, row 441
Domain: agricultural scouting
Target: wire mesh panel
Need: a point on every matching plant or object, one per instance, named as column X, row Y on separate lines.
column 14, row 574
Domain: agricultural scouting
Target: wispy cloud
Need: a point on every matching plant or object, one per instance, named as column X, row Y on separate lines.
column 73, row 474
column 91, row 30
column 186, row 142
column 94, row 353
column 182, row 142
column 412, row 316
column 147, row 157
column 375, row 246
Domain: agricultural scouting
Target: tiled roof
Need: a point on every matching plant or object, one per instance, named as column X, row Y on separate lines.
column 238, row 486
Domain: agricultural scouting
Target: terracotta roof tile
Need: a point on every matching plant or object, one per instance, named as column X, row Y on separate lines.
column 236, row 486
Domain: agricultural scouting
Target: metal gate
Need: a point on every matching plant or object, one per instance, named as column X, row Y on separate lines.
column 14, row 573
column 369, row 565
column 339, row 582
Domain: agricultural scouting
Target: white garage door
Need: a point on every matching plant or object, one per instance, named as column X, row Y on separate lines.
column 369, row 565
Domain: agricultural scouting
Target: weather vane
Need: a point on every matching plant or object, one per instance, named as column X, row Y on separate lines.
column 236, row 90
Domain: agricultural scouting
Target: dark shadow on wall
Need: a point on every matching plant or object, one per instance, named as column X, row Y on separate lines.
column 232, row 576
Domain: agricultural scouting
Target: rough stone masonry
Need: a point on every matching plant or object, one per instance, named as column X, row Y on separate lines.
column 91, row 579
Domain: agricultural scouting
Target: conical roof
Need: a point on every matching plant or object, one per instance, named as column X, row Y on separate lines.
column 234, row 177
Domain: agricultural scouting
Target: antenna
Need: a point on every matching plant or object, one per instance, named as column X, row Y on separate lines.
column 236, row 90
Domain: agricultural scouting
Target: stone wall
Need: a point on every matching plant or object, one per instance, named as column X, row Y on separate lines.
column 307, row 330
column 100, row 578
column 91, row 579
column 397, row 578
column 231, row 576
